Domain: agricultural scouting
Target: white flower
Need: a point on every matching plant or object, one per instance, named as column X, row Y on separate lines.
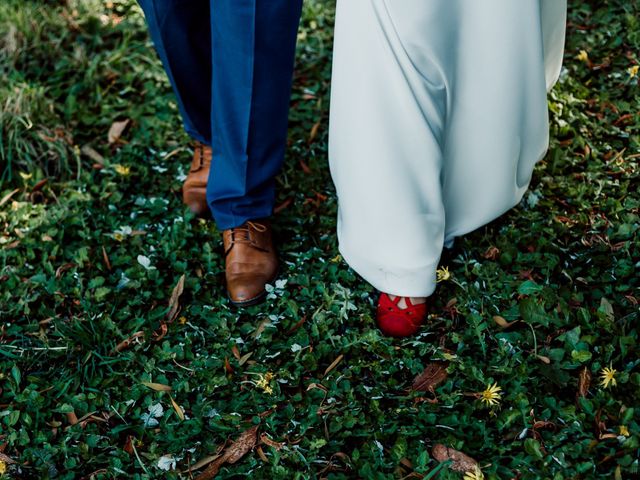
column 145, row 262
column 167, row 462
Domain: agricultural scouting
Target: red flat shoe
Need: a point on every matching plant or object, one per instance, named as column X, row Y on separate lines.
column 398, row 322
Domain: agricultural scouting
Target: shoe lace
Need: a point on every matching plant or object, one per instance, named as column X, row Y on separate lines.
column 242, row 235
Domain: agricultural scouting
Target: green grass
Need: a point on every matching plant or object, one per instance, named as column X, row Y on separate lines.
column 72, row 286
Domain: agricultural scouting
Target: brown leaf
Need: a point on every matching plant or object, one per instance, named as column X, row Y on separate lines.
column 305, row 167
column 314, row 131
column 177, row 408
column 72, row 418
column 105, row 257
column 284, row 205
column 158, row 387
column 6, row 459
column 261, row 454
column 63, row 268
column 128, row 445
column 234, row 452
column 116, row 130
column 8, row 196
column 502, row 323
column 203, row 462
column 123, row 345
column 544, row 359
column 333, row 365
column 460, row 462
column 245, row 442
column 264, row 438
column 38, row 186
column 244, row 358
column 584, row 382
column 236, row 352
column 157, row 336
column 433, row 374
column 492, row 253
column 174, row 301
column 88, row 151
column 227, row 366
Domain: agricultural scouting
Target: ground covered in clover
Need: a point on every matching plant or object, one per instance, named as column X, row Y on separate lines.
column 121, row 358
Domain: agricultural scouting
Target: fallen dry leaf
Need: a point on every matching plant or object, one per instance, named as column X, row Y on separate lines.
column 116, row 130
column 314, row 132
column 492, row 253
column 88, row 151
column 460, row 462
column 236, row 352
column 242, row 360
column 137, row 337
column 63, row 268
column 174, row 301
column 177, row 408
column 8, row 196
column 502, row 323
column 72, row 418
column 261, row 454
column 433, row 374
column 105, row 258
column 158, row 387
column 584, row 382
column 334, row 364
column 234, row 452
column 245, row 442
column 264, row 438
column 6, row 459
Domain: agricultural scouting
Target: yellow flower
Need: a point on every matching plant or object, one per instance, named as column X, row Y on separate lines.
column 3, row 467
column 583, row 56
column 336, row 259
column 118, row 236
column 122, row 169
column 608, row 377
column 443, row 274
column 264, row 382
column 491, row 396
column 623, row 430
column 475, row 474
column 182, row 320
column 633, row 71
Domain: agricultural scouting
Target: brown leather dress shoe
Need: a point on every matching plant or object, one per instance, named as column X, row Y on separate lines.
column 194, row 189
column 251, row 262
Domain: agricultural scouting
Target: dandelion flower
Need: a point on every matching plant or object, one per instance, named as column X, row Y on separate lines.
column 122, row 169
column 491, row 396
column 583, row 56
column 608, row 377
column 443, row 274
column 623, row 430
column 264, row 383
column 475, row 474
column 633, row 71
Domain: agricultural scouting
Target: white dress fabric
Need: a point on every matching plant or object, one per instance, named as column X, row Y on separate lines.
column 438, row 116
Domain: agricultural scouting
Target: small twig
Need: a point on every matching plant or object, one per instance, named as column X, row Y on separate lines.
column 535, row 340
column 133, row 447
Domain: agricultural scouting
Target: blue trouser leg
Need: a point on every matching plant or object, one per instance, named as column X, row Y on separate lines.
column 250, row 66
column 253, row 56
column 181, row 33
